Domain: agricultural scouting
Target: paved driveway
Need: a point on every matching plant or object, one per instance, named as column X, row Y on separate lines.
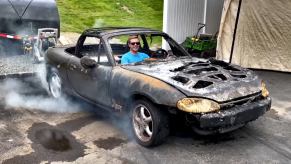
column 33, row 130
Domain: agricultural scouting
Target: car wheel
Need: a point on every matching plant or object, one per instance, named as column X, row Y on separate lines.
column 150, row 125
column 55, row 84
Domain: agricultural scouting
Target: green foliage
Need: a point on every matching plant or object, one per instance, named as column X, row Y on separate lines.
column 194, row 44
column 77, row 15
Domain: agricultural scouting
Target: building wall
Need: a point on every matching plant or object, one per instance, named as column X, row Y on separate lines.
column 181, row 17
column 213, row 15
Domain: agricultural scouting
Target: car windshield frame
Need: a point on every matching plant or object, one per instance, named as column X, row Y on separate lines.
column 167, row 38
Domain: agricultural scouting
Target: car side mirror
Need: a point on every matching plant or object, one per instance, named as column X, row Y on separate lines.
column 88, row 63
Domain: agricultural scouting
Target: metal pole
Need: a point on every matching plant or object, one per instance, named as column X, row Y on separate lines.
column 235, row 28
column 205, row 15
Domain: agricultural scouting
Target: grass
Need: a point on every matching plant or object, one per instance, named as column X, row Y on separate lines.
column 77, row 15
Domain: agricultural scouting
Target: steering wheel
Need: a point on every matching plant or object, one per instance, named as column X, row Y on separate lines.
column 160, row 53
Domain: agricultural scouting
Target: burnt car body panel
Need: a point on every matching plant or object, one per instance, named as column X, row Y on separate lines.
column 164, row 82
column 94, row 81
column 235, row 115
column 217, row 82
column 140, row 84
column 58, row 59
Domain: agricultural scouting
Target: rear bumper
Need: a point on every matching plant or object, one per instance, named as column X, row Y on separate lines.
column 235, row 116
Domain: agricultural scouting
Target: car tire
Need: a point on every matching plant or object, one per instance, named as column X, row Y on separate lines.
column 55, row 84
column 150, row 125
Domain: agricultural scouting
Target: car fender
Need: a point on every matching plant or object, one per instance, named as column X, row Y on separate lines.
column 126, row 83
column 57, row 59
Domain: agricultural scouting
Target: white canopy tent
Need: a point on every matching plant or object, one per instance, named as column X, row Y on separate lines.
column 256, row 34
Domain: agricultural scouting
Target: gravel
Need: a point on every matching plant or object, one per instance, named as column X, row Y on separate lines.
column 19, row 64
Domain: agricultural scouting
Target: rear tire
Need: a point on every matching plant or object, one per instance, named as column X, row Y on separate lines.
column 150, row 125
column 55, row 84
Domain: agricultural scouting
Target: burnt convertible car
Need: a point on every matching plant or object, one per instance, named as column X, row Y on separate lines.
column 212, row 96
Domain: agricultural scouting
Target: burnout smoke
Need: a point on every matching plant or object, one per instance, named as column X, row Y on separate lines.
column 39, row 103
column 32, row 95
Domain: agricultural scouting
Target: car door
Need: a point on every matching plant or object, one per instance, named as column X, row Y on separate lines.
column 93, row 83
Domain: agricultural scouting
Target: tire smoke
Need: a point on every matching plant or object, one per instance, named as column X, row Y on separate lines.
column 32, row 93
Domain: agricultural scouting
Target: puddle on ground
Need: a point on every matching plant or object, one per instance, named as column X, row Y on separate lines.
column 50, row 143
column 53, row 139
column 109, row 143
column 272, row 113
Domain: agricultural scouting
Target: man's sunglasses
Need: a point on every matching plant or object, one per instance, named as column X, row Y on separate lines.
column 133, row 43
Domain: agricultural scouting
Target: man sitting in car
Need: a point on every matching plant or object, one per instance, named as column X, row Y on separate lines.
column 133, row 55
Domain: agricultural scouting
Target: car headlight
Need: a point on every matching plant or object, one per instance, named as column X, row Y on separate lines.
column 265, row 92
column 197, row 105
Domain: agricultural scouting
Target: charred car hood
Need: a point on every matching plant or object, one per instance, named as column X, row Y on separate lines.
column 212, row 79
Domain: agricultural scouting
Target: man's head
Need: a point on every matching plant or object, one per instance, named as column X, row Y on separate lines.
column 133, row 43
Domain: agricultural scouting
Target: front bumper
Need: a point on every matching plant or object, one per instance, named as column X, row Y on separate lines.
column 237, row 115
